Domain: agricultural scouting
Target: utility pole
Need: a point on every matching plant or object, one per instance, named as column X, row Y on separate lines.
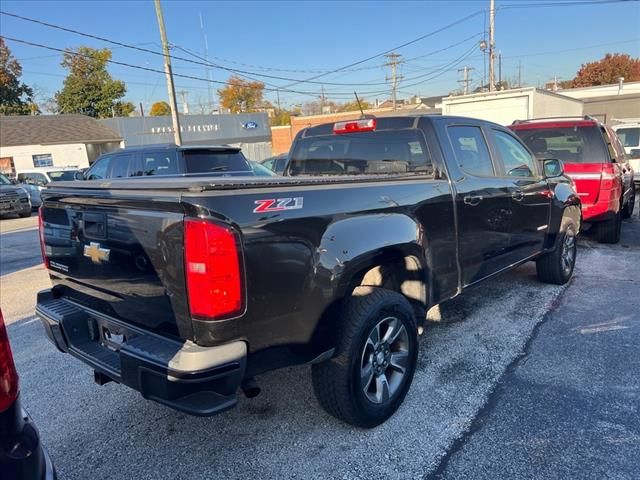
column 394, row 59
column 492, row 45
column 141, row 110
column 177, row 135
column 500, row 70
column 519, row 73
column 185, row 106
column 206, row 58
column 466, row 80
column 322, row 99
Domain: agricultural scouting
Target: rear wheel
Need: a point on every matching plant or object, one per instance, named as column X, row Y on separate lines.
column 627, row 211
column 25, row 214
column 609, row 231
column 371, row 372
column 557, row 267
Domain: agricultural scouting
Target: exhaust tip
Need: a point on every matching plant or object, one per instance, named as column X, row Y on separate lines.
column 250, row 388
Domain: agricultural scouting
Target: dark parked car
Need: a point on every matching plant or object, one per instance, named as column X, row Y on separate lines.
column 186, row 288
column 13, row 199
column 22, row 456
column 277, row 163
column 164, row 160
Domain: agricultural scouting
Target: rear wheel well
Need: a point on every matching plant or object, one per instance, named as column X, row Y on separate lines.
column 403, row 274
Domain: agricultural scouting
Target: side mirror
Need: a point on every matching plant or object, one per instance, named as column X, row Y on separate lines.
column 552, row 167
column 78, row 175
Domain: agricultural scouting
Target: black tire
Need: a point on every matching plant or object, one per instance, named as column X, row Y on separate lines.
column 627, row 211
column 555, row 267
column 609, row 231
column 25, row 214
column 337, row 382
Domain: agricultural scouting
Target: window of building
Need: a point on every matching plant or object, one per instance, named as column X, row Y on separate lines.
column 42, row 160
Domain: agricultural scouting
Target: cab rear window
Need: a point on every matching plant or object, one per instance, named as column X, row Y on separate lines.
column 362, row 153
column 579, row 144
column 205, row 161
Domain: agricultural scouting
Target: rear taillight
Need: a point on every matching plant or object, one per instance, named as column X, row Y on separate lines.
column 352, row 126
column 609, row 176
column 41, row 232
column 213, row 266
column 8, row 373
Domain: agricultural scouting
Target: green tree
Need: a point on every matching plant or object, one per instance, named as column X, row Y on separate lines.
column 353, row 106
column 88, row 88
column 608, row 70
column 241, row 95
column 160, row 109
column 281, row 117
column 16, row 98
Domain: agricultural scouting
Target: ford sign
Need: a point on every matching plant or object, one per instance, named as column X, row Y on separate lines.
column 250, row 125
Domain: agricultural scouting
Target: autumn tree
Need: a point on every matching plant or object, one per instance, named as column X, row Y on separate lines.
column 241, row 95
column 88, row 88
column 608, row 70
column 16, row 98
column 160, row 109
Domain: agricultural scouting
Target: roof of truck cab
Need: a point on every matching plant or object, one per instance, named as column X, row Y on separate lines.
column 173, row 146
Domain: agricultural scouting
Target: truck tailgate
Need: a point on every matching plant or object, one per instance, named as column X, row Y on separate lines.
column 119, row 254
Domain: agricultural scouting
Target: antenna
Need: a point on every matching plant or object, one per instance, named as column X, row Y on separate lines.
column 362, row 115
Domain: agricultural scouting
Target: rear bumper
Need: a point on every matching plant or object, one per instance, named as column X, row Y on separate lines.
column 182, row 375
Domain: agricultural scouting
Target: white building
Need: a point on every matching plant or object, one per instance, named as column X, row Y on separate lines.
column 52, row 140
column 505, row 106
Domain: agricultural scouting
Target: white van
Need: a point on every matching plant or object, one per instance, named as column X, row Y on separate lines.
column 629, row 135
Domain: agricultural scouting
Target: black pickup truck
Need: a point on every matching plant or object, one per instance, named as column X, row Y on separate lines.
column 185, row 289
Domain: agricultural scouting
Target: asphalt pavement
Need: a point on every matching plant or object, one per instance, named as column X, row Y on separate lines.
column 501, row 362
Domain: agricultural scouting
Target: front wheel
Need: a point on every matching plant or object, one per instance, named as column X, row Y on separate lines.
column 557, row 267
column 371, row 372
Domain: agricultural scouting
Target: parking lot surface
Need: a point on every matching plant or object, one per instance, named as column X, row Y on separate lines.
column 511, row 374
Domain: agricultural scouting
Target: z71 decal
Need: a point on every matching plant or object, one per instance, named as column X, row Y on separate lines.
column 277, row 204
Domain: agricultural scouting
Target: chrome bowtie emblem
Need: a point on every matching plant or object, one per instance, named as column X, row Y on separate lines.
column 97, row 254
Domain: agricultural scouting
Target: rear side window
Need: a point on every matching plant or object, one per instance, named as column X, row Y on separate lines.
column 580, row 144
column 630, row 137
column 158, row 163
column 34, row 178
column 471, row 150
column 364, row 153
column 98, row 171
column 517, row 161
column 210, row 161
column 62, row 176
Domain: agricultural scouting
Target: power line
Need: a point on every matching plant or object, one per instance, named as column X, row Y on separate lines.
column 450, row 25
column 149, row 69
column 563, row 4
column 206, row 63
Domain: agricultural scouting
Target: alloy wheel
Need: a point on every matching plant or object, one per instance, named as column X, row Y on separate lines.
column 385, row 360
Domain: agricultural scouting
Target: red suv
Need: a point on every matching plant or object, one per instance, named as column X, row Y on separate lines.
column 595, row 159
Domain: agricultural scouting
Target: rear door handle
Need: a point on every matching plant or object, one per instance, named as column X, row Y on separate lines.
column 472, row 200
column 518, row 195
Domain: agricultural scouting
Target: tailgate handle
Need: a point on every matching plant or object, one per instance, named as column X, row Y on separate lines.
column 94, row 225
